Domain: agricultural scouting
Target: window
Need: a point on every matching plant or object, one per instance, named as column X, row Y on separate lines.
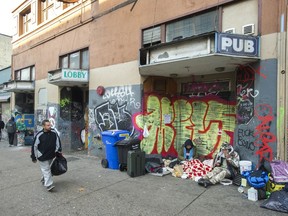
column 25, row 20
column 75, row 60
column 191, row 26
column 25, row 74
column 179, row 29
column 46, row 10
column 151, row 36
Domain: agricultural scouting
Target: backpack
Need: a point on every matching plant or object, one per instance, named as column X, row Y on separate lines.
column 10, row 127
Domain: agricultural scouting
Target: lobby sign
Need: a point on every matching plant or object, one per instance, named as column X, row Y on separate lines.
column 75, row 75
column 234, row 44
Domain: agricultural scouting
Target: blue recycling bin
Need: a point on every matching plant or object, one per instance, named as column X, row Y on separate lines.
column 110, row 138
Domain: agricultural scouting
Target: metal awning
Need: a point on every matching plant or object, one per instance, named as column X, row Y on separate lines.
column 4, row 98
column 208, row 64
column 210, row 53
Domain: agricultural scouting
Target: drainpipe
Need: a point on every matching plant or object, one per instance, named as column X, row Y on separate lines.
column 282, row 91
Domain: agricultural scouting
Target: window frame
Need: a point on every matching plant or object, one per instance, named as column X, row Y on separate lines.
column 80, row 56
column 25, row 20
column 165, row 26
column 44, row 7
column 18, row 74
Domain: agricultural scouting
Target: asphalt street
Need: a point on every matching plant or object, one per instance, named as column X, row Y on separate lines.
column 89, row 189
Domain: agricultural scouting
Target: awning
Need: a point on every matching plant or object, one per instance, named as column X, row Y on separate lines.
column 4, row 98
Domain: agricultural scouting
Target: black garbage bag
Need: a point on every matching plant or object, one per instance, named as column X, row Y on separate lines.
column 59, row 165
column 278, row 201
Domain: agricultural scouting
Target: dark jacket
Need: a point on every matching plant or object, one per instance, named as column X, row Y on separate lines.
column 11, row 126
column 2, row 125
column 45, row 145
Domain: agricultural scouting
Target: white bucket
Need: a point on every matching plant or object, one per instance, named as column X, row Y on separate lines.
column 245, row 166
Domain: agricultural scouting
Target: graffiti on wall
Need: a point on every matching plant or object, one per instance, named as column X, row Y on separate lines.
column 121, row 95
column 110, row 116
column 245, row 94
column 264, row 137
column 170, row 121
column 112, row 110
column 246, row 139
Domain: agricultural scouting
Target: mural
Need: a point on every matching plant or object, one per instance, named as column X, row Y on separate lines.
column 208, row 120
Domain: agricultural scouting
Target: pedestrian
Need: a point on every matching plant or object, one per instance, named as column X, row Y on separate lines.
column 11, row 130
column 2, row 125
column 226, row 164
column 45, row 147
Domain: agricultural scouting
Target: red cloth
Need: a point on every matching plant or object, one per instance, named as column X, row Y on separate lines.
column 195, row 168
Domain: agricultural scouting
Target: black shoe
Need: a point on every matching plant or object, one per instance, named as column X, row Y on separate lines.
column 204, row 182
column 201, row 182
column 42, row 180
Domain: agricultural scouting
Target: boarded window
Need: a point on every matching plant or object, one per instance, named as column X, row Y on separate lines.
column 195, row 25
column 152, row 36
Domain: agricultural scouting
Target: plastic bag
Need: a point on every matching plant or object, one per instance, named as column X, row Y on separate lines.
column 145, row 131
column 278, row 201
column 59, row 165
column 279, row 171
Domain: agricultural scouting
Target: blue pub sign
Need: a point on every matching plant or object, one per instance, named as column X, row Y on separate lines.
column 234, row 44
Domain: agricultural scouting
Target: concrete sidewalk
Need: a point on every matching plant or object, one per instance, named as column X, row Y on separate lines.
column 89, row 189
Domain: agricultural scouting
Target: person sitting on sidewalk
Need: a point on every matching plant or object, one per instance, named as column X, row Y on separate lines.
column 189, row 150
column 46, row 146
column 226, row 165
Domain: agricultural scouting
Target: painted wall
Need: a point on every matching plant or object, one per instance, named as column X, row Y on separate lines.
column 255, row 135
column 239, row 14
column 208, row 121
column 69, row 131
column 5, row 51
column 113, row 110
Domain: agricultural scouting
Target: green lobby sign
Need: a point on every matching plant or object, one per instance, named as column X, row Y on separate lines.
column 75, row 75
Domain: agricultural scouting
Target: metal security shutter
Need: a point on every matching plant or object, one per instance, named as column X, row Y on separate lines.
column 152, row 35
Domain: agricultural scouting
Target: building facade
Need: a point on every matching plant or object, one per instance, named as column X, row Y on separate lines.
column 5, row 75
column 212, row 71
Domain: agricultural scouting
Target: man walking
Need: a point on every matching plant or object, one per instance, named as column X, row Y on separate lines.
column 45, row 147
column 11, row 130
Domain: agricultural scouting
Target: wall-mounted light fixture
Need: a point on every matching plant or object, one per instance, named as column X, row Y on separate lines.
column 174, row 75
column 219, row 69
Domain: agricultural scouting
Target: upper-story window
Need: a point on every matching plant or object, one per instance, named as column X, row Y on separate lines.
column 46, row 10
column 25, row 74
column 75, row 60
column 25, row 20
column 181, row 28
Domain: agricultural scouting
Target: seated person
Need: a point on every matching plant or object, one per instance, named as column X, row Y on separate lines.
column 189, row 150
column 225, row 165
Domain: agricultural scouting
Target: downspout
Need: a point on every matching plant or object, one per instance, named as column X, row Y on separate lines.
column 281, row 83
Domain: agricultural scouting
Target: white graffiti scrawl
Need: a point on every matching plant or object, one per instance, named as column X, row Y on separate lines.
column 121, row 94
column 109, row 116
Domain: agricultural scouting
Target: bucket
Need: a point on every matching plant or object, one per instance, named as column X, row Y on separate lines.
column 245, row 166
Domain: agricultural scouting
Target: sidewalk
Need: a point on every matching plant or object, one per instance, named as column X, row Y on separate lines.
column 89, row 189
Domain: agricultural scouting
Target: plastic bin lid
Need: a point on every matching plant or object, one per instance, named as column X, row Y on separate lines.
column 115, row 133
column 128, row 142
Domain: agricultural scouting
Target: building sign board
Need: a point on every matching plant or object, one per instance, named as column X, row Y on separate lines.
column 234, row 44
column 67, row 74
column 75, row 75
